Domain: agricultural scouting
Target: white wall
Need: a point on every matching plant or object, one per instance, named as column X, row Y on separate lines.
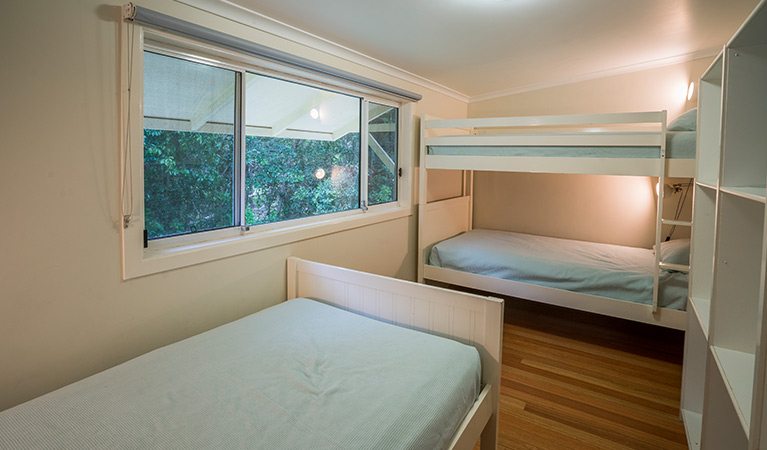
column 65, row 313
column 616, row 210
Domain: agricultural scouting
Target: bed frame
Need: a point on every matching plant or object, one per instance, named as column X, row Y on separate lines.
column 467, row 318
column 442, row 219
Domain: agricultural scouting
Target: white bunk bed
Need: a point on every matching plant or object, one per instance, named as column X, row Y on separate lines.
column 634, row 144
column 340, row 364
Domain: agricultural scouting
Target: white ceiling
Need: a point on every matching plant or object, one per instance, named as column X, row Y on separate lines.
column 481, row 48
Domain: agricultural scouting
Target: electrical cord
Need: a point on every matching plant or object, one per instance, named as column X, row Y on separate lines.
column 679, row 206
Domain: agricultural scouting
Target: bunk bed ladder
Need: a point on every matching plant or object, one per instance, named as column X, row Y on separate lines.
column 659, row 214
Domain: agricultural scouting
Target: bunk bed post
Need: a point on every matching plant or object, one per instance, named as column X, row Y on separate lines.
column 468, row 191
column 659, row 218
column 421, row 197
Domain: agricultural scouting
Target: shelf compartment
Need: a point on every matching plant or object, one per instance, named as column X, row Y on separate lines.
column 693, row 375
column 703, row 310
column 737, row 369
column 702, row 250
column 736, row 293
column 744, row 159
column 722, row 427
column 751, row 193
column 710, row 123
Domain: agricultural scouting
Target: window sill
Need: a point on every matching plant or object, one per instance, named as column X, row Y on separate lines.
column 139, row 262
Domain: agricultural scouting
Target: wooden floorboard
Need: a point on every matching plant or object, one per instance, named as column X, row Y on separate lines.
column 574, row 380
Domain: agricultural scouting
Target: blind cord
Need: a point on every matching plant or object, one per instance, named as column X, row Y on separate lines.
column 127, row 190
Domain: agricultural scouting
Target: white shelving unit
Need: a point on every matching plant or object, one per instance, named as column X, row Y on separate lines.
column 725, row 361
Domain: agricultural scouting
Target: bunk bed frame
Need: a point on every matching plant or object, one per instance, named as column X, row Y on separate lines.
column 442, row 219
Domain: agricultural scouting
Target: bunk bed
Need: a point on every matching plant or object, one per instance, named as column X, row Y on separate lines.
column 451, row 252
column 351, row 360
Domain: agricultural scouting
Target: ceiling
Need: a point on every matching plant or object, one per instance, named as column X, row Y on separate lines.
column 483, row 48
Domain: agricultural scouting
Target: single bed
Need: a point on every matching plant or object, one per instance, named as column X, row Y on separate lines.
column 351, row 361
column 605, row 270
column 607, row 144
column 632, row 144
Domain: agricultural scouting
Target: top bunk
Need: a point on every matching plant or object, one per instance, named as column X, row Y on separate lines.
column 638, row 144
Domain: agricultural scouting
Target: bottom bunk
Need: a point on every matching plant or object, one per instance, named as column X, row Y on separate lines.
column 309, row 373
column 607, row 279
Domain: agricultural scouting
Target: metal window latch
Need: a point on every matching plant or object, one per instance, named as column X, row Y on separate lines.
column 364, row 205
column 245, row 228
column 399, row 171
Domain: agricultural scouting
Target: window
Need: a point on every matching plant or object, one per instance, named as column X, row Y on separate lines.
column 302, row 153
column 189, row 151
column 382, row 153
column 236, row 154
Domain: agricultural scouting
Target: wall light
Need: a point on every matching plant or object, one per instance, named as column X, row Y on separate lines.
column 690, row 90
column 669, row 189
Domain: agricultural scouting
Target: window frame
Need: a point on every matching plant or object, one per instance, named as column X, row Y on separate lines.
column 184, row 250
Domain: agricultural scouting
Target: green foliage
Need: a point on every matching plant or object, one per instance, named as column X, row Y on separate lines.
column 189, row 179
column 280, row 177
column 188, row 182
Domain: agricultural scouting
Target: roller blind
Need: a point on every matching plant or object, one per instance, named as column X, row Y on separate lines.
column 163, row 22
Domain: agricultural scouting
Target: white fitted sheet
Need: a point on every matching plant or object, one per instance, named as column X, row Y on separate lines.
column 299, row 375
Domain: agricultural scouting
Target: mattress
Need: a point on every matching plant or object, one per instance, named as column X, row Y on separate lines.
column 299, row 375
column 613, row 271
column 679, row 145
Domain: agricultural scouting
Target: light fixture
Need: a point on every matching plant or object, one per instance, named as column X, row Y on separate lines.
column 315, row 113
column 690, row 90
column 669, row 189
column 319, row 173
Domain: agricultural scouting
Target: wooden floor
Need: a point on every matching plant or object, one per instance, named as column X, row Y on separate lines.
column 574, row 380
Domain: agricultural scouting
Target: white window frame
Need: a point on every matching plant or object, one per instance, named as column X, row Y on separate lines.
column 185, row 250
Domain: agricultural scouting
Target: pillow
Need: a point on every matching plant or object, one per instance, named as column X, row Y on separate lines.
column 686, row 122
column 676, row 251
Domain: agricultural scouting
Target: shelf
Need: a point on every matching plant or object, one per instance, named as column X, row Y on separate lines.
column 751, row 193
column 693, row 376
column 737, row 369
column 738, row 267
column 706, row 184
column 754, row 29
column 722, row 427
column 702, row 250
column 703, row 309
column 724, row 340
column 693, row 425
column 744, row 161
column 710, row 123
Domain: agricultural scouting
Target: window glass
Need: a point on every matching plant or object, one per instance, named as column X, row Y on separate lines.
column 189, row 149
column 382, row 154
column 302, row 151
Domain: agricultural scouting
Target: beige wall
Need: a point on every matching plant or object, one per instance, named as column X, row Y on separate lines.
column 617, row 210
column 65, row 313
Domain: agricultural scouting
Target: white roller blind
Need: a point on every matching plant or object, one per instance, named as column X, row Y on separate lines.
column 153, row 19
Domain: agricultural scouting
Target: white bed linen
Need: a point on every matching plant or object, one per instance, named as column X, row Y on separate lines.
column 613, row 271
column 299, row 375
